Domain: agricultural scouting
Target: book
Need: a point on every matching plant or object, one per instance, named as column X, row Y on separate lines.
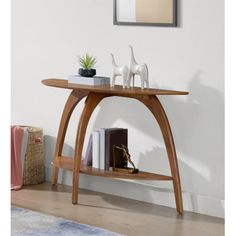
column 115, row 136
column 89, row 152
column 102, row 149
column 95, row 152
column 96, row 80
column 102, row 146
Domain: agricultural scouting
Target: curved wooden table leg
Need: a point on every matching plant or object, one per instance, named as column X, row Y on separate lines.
column 154, row 105
column 90, row 104
column 71, row 103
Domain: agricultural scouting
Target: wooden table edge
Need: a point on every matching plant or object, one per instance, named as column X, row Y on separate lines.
column 62, row 83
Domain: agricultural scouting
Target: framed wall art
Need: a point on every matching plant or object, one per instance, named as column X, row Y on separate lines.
column 145, row 12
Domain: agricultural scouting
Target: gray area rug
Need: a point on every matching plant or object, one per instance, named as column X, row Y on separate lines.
column 28, row 223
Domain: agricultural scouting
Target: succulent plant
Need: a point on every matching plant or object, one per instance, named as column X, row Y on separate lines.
column 87, row 61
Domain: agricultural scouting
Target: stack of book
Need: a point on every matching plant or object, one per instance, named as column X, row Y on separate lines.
column 96, row 80
column 99, row 150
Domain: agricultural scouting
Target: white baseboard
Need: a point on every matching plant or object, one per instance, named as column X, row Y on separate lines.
column 160, row 196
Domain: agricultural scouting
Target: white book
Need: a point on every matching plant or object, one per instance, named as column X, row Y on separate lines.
column 96, row 80
column 95, row 161
column 102, row 149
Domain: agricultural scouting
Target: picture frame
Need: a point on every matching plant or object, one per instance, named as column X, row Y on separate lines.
column 145, row 13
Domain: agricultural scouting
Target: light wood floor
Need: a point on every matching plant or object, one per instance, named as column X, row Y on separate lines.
column 117, row 214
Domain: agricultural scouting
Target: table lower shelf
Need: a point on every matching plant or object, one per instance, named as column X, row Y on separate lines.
column 67, row 163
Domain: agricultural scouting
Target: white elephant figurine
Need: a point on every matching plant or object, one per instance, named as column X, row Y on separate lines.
column 122, row 71
column 137, row 69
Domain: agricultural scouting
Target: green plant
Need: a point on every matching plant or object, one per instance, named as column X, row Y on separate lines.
column 87, row 62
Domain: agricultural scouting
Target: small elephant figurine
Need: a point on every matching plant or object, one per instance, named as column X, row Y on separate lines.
column 122, row 71
column 137, row 69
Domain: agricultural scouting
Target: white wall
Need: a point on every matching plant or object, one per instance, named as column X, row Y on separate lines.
column 47, row 36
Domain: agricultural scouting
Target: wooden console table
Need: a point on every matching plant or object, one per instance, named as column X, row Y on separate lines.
column 94, row 95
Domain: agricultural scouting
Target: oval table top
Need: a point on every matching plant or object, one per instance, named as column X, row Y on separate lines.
column 117, row 89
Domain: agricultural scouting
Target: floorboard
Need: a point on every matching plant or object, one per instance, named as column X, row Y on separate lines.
column 114, row 213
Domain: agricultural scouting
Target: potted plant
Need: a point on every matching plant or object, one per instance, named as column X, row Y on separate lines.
column 87, row 62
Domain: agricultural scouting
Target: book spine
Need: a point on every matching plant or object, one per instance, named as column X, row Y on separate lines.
column 95, row 162
column 102, row 149
column 89, row 155
column 107, row 150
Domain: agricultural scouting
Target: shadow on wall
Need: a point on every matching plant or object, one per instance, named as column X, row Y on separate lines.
column 49, row 147
column 199, row 124
column 198, row 128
